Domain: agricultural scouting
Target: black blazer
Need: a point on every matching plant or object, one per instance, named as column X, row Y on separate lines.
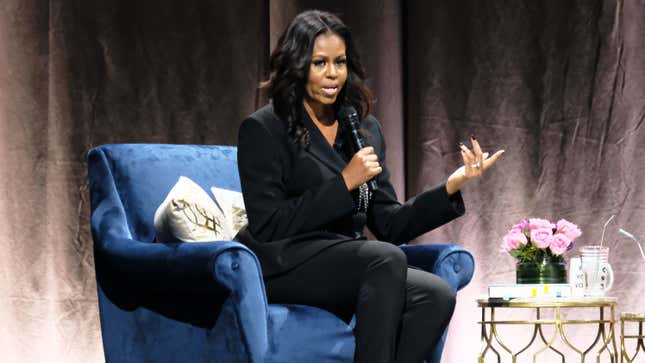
column 297, row 202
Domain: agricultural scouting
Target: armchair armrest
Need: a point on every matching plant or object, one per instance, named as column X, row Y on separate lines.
column 451, row 262
column 190, row 270
column 176, row 267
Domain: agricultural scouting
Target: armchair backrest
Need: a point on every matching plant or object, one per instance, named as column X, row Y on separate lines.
column 143, row 174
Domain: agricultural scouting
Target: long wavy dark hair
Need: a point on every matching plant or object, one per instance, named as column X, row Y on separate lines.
column 289, row 70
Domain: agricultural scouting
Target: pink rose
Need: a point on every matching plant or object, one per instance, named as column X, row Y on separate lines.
column 559, row 244
column 568, row 229
column 542, row 237
column 522, row 225
column 512, row 240
column 539, row 223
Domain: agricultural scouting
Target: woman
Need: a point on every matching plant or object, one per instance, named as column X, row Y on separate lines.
column 307, row 203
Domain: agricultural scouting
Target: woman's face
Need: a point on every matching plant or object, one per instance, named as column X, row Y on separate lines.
column 328, row 70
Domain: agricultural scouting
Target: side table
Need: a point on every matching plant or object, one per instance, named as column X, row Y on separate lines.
column 631, row 317
column 604, row 325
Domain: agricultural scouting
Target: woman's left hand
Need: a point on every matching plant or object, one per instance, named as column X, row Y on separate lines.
column 476, row 163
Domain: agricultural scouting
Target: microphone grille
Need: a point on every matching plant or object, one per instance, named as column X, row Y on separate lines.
column 347, row 112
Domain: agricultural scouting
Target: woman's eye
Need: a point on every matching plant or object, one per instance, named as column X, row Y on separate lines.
column 319, row 63
column 341, row 62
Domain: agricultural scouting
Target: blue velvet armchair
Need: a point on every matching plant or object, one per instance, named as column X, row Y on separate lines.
column 204, row 302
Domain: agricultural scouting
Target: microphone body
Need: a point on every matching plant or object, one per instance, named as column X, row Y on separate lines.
column 349, row 119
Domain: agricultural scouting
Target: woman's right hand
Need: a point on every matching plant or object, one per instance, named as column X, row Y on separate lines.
column 363, row 167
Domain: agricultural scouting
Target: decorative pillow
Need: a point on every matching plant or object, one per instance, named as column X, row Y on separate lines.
column 188, row 214
column 232, row 204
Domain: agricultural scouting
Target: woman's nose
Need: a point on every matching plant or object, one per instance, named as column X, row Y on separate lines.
column 332, row 72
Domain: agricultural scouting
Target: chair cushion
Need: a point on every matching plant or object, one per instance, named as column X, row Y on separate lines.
column 299, row 333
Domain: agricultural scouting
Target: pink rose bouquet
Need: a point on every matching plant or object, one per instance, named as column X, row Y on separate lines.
column 534, row 239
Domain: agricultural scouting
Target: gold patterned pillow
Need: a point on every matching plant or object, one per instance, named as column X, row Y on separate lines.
column 232, row 205
column 188, row 214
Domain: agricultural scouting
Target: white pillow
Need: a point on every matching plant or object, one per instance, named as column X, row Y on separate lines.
column 232, row 204
column 188, row 214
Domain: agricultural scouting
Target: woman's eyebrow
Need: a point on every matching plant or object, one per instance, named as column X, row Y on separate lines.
column 326, row 56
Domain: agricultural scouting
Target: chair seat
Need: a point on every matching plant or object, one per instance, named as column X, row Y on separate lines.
column 301, row 332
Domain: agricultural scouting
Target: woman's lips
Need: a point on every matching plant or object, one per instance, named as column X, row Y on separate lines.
column 330, row 91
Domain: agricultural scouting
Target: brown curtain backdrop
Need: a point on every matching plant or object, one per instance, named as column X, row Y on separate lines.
column 559, row 84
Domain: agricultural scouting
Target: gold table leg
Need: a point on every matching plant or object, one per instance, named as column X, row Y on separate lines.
column 549, row 344
column 493, row 327
column 535, row 331
column 486, row 338
column 640, row 345
column 607, row 338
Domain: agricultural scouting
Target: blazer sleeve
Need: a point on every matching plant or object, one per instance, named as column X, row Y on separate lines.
column 399, row 223
column 274, row 214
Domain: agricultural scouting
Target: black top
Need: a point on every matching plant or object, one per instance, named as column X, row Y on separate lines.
column 297, row 202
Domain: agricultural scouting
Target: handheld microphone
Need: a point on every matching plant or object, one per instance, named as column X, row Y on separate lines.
column 349, row 119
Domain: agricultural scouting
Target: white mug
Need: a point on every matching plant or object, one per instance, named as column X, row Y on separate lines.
column 576, row 276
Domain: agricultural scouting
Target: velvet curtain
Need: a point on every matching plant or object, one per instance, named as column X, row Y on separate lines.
column 558, row 84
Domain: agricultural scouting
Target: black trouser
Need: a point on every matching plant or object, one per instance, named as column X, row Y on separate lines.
column 400, row 312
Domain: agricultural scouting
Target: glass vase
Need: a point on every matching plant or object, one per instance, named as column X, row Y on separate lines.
column 545, row 270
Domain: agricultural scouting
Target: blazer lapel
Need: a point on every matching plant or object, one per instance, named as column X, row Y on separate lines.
column 320, row 148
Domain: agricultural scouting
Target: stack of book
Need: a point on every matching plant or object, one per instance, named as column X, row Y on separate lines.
column 513, row 291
